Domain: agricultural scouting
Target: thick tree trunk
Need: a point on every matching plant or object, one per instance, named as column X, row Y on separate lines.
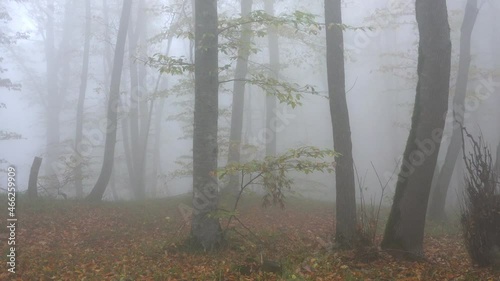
column 344, row 174
column 274, row 62
column 404, row 233
column 81, row 100
column 205, row 230
column 33, row 180
column 112, row 113
column 438, row 199
column 239, row 95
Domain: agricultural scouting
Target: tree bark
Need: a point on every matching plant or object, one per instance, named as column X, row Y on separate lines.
column 238, row 105
column 404, row 233
column 33, row 180
column 274, row 65
column 344, row 174
column 438, row 199
column 112, row 112
column 205, row 230
column 81, row 101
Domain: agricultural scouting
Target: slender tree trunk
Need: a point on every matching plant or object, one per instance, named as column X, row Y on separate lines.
column 81, row 101
column 52, row 116
column 108, row 54
column 161, row 83
column 247, row 135
column 205, row 230
column 33, row 180
column 344, row 174
column 438, row 199
column 112, row 186
column 157, row 147
column 238, row 105
column 497, row 161
column 58, row 60
column 112, row 112
column 133, row 116
column 274, row 62
column 138, row 106
column 404, row 233
column 126, row 150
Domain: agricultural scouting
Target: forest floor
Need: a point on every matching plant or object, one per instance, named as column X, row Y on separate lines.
column 72, row 240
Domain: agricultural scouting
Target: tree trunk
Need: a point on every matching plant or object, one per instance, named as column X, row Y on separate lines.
column 497, row 161
column 133, row 116
column 81, row 100
column 239, row 95
column 108, row 52
column 274, row 62
column 112, row 112
column 247, row 135
column 126, row 151
column 438, row 199
column 344, row 174
column 161, row 83
column 404, row 233
column 53, row 108
column 138, row 108
column 156, row 169
column 205, row 230
column 33, row 180
column 57, row 63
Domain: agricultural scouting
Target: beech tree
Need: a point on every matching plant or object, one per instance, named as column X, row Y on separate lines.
column 112, row 111
column 240, row 74
column 404, row 231
column 81, row 97
column 206, row 229
column 438, row 199
column 344, row 175
column 136, row 138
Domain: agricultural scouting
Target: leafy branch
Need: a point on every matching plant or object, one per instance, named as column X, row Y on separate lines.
column 272, row 173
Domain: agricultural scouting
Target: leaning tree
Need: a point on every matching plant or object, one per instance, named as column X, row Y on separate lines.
column 404, row 231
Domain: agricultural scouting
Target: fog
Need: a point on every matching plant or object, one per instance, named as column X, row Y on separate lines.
column 381, row 43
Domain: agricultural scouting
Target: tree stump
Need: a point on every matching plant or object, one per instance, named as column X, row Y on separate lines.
column 33, row 180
